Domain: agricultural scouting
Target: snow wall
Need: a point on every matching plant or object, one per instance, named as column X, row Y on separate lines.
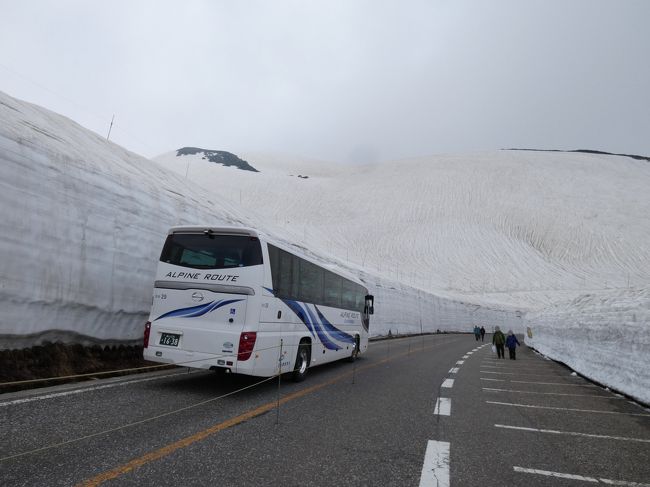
column 82, row 222
column 82, row 225
column 604, row 336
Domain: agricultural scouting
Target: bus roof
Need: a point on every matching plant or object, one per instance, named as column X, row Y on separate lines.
column 217, row 230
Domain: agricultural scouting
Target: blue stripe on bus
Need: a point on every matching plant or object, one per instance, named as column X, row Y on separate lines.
column 197, row 310
column 186, row 311
column 311, row 322
column 301, row 313
column 334, row 331
column 321, row 334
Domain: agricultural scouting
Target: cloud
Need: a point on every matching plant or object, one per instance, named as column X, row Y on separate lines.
column 338, row 80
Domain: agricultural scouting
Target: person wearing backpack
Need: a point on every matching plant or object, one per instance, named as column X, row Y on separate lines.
column 511, row 343
column 499, row 340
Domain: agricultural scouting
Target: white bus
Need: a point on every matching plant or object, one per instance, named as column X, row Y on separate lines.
column 227, row 299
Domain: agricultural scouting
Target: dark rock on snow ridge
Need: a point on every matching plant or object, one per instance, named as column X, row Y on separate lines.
column 218, row 156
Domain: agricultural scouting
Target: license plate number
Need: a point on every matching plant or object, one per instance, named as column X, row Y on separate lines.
column 169, row 339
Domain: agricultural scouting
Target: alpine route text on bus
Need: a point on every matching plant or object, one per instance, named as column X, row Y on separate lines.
column 227, row 299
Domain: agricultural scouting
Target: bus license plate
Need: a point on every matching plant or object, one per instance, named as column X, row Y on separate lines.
column 169, row 339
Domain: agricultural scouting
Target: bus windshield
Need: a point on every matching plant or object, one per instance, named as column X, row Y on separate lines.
column 210, row 251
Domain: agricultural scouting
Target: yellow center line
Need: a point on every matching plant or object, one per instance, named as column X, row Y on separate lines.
column 201, row 435
column 187, row 441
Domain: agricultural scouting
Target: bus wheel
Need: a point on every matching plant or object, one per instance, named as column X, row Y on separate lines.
column 302, row 363
column 355, row 351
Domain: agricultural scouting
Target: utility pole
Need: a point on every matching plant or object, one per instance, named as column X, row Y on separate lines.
column 109, row 128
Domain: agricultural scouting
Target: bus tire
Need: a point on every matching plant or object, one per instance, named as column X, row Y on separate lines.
column 355, row 351
column 302, row 363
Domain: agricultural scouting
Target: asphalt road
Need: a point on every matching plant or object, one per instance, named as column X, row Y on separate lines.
column 373, row 423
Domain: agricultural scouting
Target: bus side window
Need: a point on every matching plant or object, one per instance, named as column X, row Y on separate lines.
column 311, row 282
column 274, row 261
column 285, row 288
column 348, row 300
column 331, row 290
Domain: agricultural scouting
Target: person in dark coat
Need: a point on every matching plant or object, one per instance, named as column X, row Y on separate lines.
column 511, row 343
column 482, row 334
column 499, row 340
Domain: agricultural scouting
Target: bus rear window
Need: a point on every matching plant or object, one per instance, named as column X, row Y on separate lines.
column 209, row 251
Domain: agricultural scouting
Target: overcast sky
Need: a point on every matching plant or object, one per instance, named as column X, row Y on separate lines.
column 341, row 80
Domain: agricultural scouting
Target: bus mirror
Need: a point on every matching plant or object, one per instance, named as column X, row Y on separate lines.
column 369, row 308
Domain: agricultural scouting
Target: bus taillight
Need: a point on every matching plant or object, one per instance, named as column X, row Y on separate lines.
column 147, row 331
column 246, row 345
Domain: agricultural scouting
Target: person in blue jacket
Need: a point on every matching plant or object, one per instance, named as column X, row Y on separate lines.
column 477, row 333
column 511, row 343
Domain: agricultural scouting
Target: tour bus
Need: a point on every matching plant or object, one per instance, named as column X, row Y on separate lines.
column 230, row 300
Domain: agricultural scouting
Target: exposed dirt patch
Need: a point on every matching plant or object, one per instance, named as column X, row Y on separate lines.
column 59, row 360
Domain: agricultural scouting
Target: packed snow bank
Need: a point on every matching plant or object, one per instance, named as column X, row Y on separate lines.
column 401, row 309
column 82, row 222
column 443, row 243
column 604, row 336
column 82, row 225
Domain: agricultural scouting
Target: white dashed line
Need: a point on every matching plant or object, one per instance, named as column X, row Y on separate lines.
column 564, row 409
column 443, row 406
column 505, row 361
column 505, row 367
column 435, row 471
column 460, row 362
column 495, row 380
column 465, row 356
column 552, row 383
column 490, row 389
column 515, row 373
column 572, row 433
column 448, row 383
column 579, row 477
column 453, row 370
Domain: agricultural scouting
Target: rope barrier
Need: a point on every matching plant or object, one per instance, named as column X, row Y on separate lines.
column 150, row 367
column 135, row 423
column 175, row 411
column 77, row 376
column 133, row 369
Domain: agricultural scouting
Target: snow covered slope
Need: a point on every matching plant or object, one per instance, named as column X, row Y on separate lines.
column 83, row 222
column 516, row 229
column 443, row 242
column 604, row 335
column 533, row 234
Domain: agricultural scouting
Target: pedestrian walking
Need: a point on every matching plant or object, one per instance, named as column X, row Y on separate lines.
column 499, row 340
column 482, row 333
column 477, row 333
column 511, row 343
